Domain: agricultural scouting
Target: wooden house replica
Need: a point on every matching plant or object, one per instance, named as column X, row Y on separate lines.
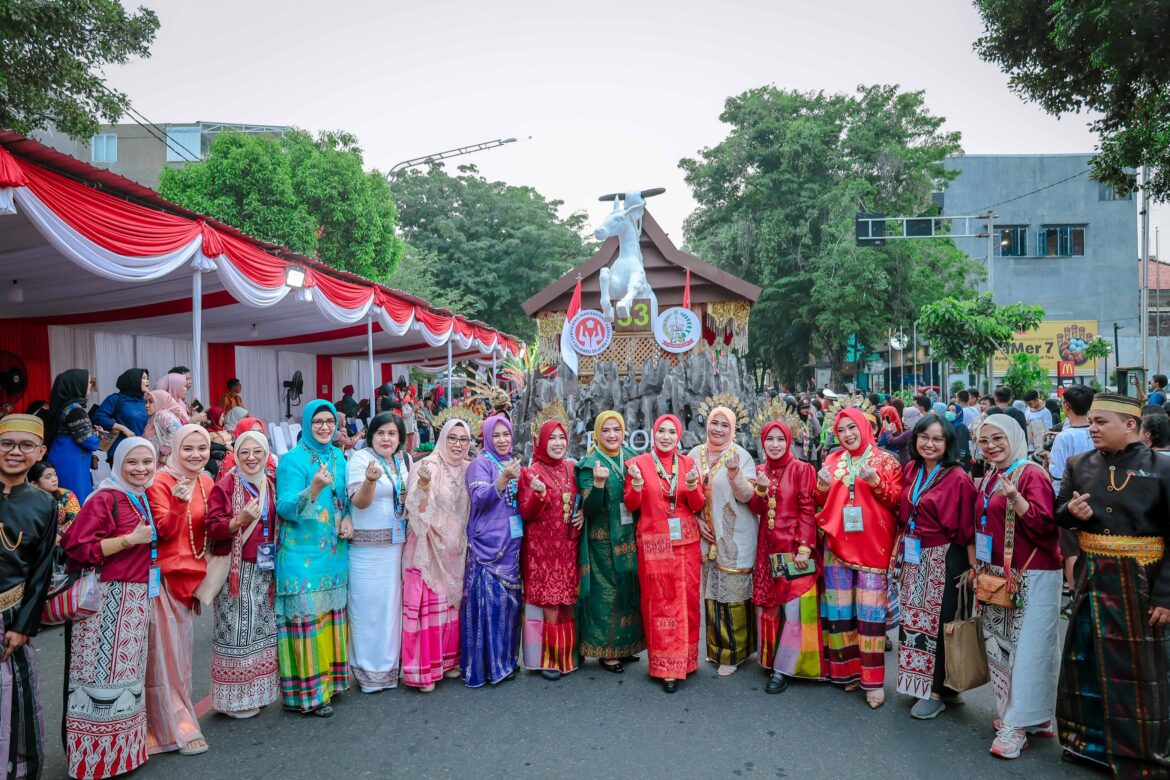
column 722, row 301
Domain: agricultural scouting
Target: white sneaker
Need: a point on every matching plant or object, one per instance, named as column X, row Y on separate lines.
column 1009, row 742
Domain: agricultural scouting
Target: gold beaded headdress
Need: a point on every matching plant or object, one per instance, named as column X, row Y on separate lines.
column 724, row 399
column 460, row 412
column 550, row 411
column 857, row 401
column 777, row 409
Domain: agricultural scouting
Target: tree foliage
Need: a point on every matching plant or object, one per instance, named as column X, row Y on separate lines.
column 777, row 199
column 967, row 332
column 496, row 243
column 309, row 194
column 1025, row 373
column 1108, row 57
column 52, row 55
column 416, row 274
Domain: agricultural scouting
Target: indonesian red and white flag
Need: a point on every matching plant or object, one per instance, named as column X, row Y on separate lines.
column 568, row 354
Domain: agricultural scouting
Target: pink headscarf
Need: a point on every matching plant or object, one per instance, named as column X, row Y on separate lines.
column 175, row 466
column 176, row 385
column 165, row 402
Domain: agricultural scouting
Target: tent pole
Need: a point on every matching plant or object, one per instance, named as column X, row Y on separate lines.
column 450, row 371
column 370, row 354
column 495, row 377
column 197, row 331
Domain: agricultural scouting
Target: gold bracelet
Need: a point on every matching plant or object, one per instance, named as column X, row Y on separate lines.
column 637, row 483
column 425, row 484
column 762, row 492
column 803, row 550
column 126, row 543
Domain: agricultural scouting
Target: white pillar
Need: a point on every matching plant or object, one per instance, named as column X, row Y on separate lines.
column 197, row 333
column 450, row 371
column 370, row 355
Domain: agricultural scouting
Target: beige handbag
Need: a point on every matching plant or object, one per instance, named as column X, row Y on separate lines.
column 966, row 653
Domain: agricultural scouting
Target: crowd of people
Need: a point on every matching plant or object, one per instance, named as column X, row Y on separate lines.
column 357, row 557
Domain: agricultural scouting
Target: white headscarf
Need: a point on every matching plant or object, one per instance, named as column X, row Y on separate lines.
column 115, row 481
column 1017, row 442
column 257, row 478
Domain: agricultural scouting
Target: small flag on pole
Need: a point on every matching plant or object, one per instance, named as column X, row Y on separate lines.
column 687, row 291
column 568, row 354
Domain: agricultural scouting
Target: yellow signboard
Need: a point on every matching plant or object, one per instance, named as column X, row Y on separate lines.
column 1054, row 341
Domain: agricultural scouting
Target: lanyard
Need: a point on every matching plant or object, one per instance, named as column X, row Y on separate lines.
column 989, row 487
column 143, row 509
column 618, row 466
column 671, row 481
column 853, row 468
column 919, row 488
column 248, row 486
column 395, row 475
column 510, row 496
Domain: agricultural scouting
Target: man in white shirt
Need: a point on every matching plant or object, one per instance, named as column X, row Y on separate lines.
column 1073, row 439
column 1039, row 420
column 970, row 410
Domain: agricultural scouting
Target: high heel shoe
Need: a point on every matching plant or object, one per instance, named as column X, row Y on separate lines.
column 875, row 699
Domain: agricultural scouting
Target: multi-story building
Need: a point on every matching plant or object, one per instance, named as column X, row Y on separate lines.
column 1061, row 241
column 140, row 152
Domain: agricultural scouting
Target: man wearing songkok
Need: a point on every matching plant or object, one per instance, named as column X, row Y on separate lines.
column 1113, row 704
column 28, row 526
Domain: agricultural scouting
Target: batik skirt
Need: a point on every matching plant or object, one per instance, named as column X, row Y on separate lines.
column 1023, row 651
column 609, row 620
column 22, row 724
column 853, row 615
column 929, row 597
column 1113, row 705
column 105, row 708
column 670, row 605
column 244, row 673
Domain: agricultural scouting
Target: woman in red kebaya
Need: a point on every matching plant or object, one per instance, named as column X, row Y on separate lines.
column 787, row 612
column 548, row 555
column 858, row 490
column 662, row 487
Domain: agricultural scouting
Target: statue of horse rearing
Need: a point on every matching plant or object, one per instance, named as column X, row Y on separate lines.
column 625, row 280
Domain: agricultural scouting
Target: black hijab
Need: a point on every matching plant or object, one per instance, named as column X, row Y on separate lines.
column 386, row 418
column 70, row 386
column 130, row 382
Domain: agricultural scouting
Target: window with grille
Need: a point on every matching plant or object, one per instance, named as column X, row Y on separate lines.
column 1013, row 241
column 1061, row 241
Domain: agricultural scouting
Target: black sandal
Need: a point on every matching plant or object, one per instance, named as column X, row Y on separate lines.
column 670, row 686
column 615, row 667
column 630, row 659
column 324, row 711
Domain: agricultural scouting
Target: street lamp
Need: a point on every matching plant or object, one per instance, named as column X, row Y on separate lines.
column 398, row 168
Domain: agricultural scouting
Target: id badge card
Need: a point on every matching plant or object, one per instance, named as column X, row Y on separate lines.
column 675, row 525
column 398, row 533
column 154, row 582
column 627, row 516
column 852, row 517
column 516, row 526
column 983, row 547
column 912, row 551
column 266, row 557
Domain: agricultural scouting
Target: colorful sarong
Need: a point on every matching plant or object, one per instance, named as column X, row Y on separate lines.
column 313, row 657
column 920, row 647
column 105, row 709
column 609, row 621
column 1113, row 705
column 730, row 631
column 549, row 645
column 22, row 724
column 1022, row 651
column 430, row 632
column 669, row 579
column 244, row 674
column 490, row 626
column 853, row 614
column 792, row 645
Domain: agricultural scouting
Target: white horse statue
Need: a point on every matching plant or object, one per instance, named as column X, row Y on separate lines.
column 625, row 281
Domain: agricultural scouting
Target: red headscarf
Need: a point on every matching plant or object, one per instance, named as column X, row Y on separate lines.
column 249, row 424
column 864, row 428
column 677, row 426
column 540, row 454
column 783, row 460
column 890, row 415
column 214, row 419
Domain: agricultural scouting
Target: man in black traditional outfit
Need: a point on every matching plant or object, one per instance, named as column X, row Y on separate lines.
column 28, row 531
column 1113, row 704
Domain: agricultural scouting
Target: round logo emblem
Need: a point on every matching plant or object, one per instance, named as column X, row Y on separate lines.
column 590, row 333
column 678, row 329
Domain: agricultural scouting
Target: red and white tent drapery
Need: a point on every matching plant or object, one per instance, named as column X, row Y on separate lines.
column 138, row 255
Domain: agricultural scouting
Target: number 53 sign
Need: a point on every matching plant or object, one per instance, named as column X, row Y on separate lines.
column 639, row 318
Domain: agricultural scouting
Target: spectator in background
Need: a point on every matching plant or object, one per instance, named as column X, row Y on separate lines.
column 1003, row 399
column 363, row 412
column 347, row 405
column 967, row 403
column 1157, row 390
column 912, row 415
column 232, row 398
column 1039, row 420
column 1073, row 439
column 124, row 412
column 69, row 432
column 1156, row 432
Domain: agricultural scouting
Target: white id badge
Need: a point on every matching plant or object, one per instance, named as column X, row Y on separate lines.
column 983, row 547
column 398, row 533
column 852, row 517
column 627, row 516
column 154, row 582
column 516, row 526
column 912, row 550
column 266, row 557
column 675, row 525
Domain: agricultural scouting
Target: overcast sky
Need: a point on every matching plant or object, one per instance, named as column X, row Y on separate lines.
column 612, row 94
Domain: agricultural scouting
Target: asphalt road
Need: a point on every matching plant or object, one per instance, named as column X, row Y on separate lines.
column 589, row 724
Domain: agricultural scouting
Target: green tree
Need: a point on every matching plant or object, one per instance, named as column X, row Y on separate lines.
column 416, row 275
column 52, row 55
column 1025, row 373
column 1110, row 58
column 777, row 199
column 492, row 241
column 967, row 332
column 309, row 194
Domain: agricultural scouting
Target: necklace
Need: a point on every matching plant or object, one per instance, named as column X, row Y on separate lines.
column 670, row 492
column 10, row 546
column 191, row 523
column 708, row 472
column 1113, row 487
column 565, row 486
column 773, row 491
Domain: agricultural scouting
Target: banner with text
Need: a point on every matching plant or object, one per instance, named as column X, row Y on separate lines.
column 1054, row 342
